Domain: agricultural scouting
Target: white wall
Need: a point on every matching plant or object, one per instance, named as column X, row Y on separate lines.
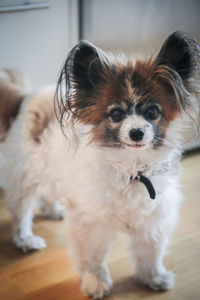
column 37, row 41
column 132, row 25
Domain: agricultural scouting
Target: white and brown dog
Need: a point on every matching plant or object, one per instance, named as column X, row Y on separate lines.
column 117, row 164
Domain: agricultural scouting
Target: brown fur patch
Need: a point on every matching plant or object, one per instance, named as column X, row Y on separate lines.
column 40, row 114
column 167, row 93
column 156, row 84
column 12, row 90
column 152, row 83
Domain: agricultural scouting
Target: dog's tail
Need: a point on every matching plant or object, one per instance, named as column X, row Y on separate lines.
column 13, row 88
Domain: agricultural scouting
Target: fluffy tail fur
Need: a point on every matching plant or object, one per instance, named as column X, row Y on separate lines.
column 13, row 87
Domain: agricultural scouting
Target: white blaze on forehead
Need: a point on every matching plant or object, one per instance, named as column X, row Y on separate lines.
column 133, row 122
column 130, row 89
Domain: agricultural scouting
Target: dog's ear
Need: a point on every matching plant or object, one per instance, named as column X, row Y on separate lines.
column 178, row 52
column 89, row 64
column 85, row 72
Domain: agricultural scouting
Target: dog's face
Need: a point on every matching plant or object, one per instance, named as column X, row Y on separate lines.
column 129, row 105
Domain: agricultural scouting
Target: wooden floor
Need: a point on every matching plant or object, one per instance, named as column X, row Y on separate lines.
column 48, row 274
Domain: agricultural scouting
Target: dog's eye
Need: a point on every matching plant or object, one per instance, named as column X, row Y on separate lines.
column 117, row 114
column 152, row 113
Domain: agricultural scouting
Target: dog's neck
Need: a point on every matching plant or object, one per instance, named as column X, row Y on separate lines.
column 127, row 163
column 140, row 162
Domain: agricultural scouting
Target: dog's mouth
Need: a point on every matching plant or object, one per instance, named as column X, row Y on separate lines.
column 135, row 145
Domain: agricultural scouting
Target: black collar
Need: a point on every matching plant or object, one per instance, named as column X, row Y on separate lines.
column 146, row 182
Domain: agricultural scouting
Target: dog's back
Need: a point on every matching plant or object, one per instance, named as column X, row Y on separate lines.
column 24, row 119
column 13, row 88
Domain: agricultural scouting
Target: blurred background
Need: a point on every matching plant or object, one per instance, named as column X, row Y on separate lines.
column 35, row 36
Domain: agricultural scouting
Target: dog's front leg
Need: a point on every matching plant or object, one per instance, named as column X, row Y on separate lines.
column 23, row 236
column 148, row 254
column 88, row 246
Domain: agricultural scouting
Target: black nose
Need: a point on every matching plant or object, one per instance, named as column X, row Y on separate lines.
column 136, row 134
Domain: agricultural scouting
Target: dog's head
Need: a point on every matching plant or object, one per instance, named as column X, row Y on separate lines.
column 128, row 104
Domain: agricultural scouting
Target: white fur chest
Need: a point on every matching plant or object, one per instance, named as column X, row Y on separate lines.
column 105, row 193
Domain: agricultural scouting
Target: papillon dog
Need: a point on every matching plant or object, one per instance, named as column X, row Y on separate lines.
column 107, row 145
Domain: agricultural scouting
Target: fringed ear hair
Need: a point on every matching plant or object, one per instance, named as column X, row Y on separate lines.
column 89, row 67
column 85, row 71
column 178, row 65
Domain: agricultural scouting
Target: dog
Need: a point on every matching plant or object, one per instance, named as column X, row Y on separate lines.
column 108, row 146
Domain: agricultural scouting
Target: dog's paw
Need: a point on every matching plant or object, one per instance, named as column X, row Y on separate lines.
column 161, row 282
column 93, row 287
column 31, row 242
column 54, row 211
